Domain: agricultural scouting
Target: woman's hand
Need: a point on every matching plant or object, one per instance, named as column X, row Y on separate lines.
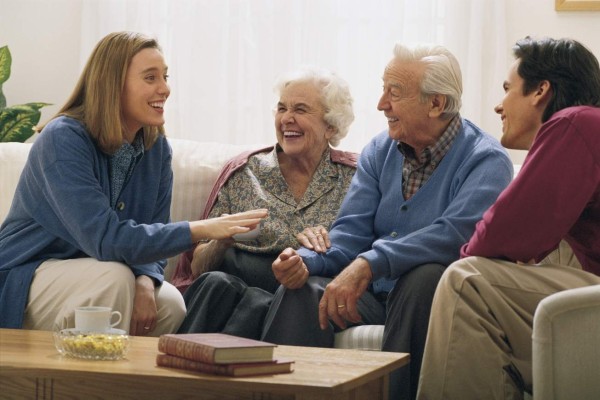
column 290, row 270
column 143, row 317
column 207, row 256
column 227, row 225
column 315, row 238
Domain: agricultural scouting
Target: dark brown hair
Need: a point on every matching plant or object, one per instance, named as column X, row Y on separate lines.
column 571, row 69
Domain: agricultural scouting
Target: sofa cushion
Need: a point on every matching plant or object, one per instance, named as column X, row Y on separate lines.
column 195, row 169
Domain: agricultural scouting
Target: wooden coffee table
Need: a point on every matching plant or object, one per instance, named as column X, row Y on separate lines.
column 31, row 368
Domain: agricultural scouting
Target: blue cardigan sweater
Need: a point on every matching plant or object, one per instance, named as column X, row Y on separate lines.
column 61, row 209
column 393, row 234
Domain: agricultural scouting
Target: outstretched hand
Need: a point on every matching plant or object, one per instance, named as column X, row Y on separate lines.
column 227, row 225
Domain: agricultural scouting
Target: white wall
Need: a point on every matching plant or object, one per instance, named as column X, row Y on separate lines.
column 44, row 39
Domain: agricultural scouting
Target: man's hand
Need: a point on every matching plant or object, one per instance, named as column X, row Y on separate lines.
column 289, row 269
column 339, row 302
column 143, row 318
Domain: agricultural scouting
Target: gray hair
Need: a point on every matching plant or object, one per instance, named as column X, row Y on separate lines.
column 335, row 97
column 442, row 73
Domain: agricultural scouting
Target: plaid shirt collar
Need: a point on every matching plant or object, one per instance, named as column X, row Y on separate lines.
column 417, row 170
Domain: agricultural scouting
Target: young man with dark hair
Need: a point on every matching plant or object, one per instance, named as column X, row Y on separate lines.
column 541, row 236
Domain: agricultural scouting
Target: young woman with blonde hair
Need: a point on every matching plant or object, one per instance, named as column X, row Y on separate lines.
column 90, row 220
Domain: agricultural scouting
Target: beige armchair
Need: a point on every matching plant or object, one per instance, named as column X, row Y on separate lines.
column 566, row 346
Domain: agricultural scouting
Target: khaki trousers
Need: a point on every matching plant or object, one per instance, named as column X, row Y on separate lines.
column 479, row 339
column 59, row 286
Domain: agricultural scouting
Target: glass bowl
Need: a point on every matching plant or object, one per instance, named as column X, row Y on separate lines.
column 111, row 345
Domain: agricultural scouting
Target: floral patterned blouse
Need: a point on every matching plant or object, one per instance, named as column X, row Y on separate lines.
column 260, row 184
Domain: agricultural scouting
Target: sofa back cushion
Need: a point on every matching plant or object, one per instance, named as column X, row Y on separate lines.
column 196, row 166
column 12, row 160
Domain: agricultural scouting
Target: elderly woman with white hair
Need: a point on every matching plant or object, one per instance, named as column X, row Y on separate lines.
column 228, row 284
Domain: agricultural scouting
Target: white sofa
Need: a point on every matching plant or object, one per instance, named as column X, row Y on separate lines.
column 570, row 338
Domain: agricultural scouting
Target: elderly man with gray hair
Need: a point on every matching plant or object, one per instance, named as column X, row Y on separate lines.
column 419, row 189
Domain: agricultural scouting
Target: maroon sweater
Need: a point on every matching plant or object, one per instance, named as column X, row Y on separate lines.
column 555, row 196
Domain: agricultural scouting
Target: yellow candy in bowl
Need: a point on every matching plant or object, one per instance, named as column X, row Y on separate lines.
column 110, row 345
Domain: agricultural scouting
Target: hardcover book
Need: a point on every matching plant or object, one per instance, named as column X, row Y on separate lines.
column 236, row 369
column 215, row 348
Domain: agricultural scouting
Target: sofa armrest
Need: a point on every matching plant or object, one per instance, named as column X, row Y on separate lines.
column 566, row 345
column 362, row 337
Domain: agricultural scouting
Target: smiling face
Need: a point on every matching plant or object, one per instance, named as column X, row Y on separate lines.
column 299, row 124
column 145, row 91
column 521, row 114
column 408, row 116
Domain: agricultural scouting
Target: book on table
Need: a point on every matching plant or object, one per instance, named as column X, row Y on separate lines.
column 215, row 348
column 235, row 369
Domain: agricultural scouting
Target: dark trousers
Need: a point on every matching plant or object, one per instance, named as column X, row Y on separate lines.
column 293, row 320
column 252, row 268
column 233, row 300
column 220, row 302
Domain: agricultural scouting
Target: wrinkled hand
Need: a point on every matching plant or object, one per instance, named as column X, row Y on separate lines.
column 226, row 226
column 219, row 245
column 289, row 269
column 315, row 238
column 340, row 299
column 143, row 317
column 207, row 256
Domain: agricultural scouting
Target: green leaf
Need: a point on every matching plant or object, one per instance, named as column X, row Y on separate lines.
column 5, row 61
column 30, row 106
column 17, row 123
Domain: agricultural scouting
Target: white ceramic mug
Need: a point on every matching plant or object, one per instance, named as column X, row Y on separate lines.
column 95, row 319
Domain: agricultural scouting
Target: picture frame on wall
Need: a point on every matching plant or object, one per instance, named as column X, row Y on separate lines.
column 577, row 5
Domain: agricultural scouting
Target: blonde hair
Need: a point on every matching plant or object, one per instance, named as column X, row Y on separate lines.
column 96, row 99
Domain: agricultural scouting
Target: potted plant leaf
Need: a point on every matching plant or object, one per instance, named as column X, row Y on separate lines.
column 17, row 122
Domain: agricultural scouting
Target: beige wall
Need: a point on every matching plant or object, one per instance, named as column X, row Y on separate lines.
column 44, row 39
